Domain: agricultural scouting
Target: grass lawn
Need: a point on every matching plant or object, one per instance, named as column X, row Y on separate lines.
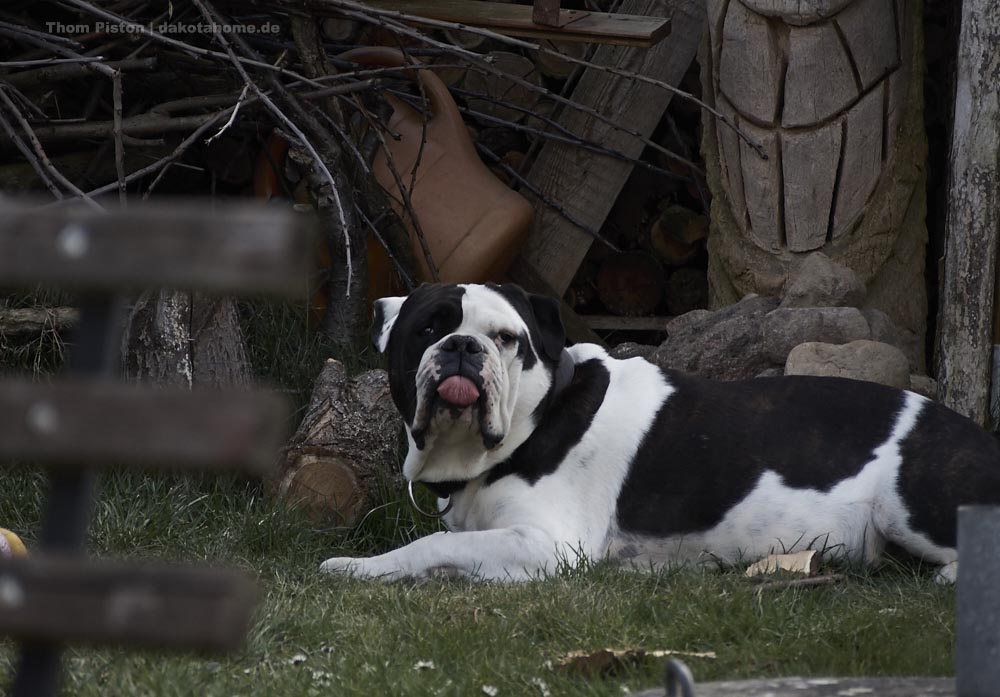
column 317, row 635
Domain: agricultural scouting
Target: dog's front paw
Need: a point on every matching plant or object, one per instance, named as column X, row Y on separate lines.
column 340, row 565
column 370, row 568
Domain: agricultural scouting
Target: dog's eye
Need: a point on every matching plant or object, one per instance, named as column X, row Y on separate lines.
column 427, row 331
column 506, row 338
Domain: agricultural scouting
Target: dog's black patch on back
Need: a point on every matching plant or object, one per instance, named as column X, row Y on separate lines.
column 430, row 312
column 561, row 427
column 711, row 442
column 950, row 461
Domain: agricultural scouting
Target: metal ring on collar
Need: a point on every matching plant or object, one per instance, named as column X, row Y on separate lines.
column 421, row 511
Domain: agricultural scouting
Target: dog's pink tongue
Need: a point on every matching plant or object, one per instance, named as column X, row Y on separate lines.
column 458, row 390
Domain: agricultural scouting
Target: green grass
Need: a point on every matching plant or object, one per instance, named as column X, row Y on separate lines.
column 317, row 635
column 362, row 638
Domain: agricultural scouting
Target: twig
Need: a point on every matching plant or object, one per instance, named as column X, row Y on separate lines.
column 49, row 61
column 290, row 125
column 43, row 158
column 400, row 267
column 514, row 174
column 154, row 123
column 116, row 91
column 232, row 116
column 135, row 27
column 29, row 156
column 353, row 9
column 72, row 68
column 379, row 17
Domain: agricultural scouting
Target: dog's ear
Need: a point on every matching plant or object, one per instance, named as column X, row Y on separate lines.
column 550, row 324
column 384, row 316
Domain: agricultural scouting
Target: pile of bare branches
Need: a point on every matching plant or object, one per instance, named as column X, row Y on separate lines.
column 108, row 101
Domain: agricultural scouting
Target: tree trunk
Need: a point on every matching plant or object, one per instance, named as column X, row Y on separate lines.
column 835, row 98
column 973, row 220
column 187, row 339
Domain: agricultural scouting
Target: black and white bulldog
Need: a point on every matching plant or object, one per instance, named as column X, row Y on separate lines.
column 546, row 455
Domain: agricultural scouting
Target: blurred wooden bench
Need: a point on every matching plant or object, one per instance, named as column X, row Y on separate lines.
column 86, row 420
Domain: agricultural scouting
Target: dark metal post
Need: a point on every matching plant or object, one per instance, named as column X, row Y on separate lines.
column 977, row 651
column 71, row 492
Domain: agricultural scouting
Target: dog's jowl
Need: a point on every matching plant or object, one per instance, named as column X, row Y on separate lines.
column 546, row 454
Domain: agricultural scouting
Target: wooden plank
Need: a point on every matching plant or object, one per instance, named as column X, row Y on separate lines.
column 59, row 599
column 630, row 29
column 587, row 185
column 821, row 687
column 97, row 424
column 545, row 12
column 973, row 220
column 240, row 248
column 628, row 324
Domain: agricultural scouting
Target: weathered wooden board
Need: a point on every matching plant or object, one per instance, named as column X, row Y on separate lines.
column 97, row 424
column 588, row 185
column 230, row 249
column 973, row 221
column 628, row 28
column 55, row 599
column 823, row 687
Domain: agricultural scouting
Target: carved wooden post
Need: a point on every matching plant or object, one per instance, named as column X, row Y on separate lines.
column 832, row 90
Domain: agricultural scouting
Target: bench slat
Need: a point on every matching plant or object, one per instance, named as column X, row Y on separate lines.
column 89, row 423
column 238, row 248
column 58, row 599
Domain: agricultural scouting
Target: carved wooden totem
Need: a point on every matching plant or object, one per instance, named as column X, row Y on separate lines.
column 832, row 91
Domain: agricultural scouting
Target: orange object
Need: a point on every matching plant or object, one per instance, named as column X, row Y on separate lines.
column 473, row 224
column 267, row 184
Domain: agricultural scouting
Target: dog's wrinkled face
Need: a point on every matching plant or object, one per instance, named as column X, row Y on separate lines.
column 468, row 365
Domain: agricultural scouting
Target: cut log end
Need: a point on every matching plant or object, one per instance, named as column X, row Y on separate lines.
column 326, row 487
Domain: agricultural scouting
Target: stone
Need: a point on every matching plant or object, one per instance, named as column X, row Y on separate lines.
column 923, row 385
column 631, row 349
column 787, row 327
column 724, row 345
column 883, row 328
column 774, row 372
column 858, row 360
column 818, row 281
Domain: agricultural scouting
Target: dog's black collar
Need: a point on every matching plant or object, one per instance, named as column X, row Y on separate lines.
column 565, row 369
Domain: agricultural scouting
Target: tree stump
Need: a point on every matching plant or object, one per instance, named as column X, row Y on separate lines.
column 347, row 446
column 833, row 92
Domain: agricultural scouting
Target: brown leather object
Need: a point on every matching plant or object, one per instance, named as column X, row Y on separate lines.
column 474, row 225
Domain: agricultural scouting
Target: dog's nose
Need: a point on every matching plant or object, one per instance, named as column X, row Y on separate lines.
column 462, row 344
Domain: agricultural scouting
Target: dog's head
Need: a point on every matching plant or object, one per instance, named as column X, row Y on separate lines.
column 469, row 365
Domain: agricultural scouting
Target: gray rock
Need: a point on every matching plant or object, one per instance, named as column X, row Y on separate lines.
column 631, row 349
column 926, row 386
column 859, row 360
column 787, row 327
column 882, row 327
column 821, row 282
column 680, row 322
column 775, row 372
column 725, row 345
